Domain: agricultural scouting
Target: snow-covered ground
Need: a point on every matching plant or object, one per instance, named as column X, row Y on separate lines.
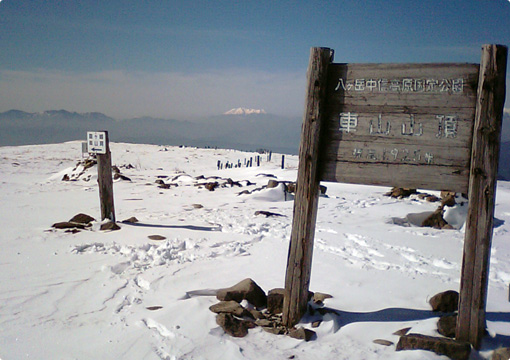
column 89, row 295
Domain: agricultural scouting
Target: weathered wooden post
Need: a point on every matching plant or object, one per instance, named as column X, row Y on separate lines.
column 297, row 278
column 283, row 162
column 482, row 192
column 99, row 144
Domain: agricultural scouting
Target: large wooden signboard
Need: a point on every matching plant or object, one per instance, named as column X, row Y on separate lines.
column 407, row 125
column 430, row 126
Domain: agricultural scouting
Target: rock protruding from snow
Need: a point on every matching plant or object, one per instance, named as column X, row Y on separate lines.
column 447, row 325
column 275, row 300
column 447, row 301
column 455, row 350
column 244, row 290
column 501, row 354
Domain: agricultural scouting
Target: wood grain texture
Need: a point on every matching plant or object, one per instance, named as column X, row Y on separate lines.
column 105, row 182
column 482, row 188
column 297, row 278
column 401, row 116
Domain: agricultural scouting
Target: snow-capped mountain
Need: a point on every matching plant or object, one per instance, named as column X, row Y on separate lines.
column 244, row 111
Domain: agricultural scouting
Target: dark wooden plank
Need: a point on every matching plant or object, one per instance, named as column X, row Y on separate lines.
column 482, row 188
column 105, row 182
column 299, row 262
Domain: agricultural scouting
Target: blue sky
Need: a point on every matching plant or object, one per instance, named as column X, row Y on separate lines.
column 182, row 59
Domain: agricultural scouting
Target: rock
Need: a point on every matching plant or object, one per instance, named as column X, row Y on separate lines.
column 402, row 332
column 267, row 213
column 154, row 308
column 383, row 342
column 131, row 220
column 159, row 182
column 65, row 178
column 110, row 226
column 446, row 325
column 156, row 237
column 68, row 225
column 82, row 219
column 264, row 322
column 301, row 333
column 501, row 354
column 318, row 298
column 447, row 301
column 211, row 185
column 448, row 198
column 244, row 290
column 436, row 220
column 275, row 300
column 291, row 187
column 257, row 314
column 272, row 183
column 230, row 307
column 455, row 350
column 432, row 198
column 323, row 189
column 400, row 193
column 279, row 330
column 197, row 206
column 316, row 324
column 232, row 326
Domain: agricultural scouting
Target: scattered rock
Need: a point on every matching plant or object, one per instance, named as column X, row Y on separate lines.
column 316, row 324
column 117, row 176
column 448, row 198
column 302, row 334
column 279, row 330
column 323, row 189
column 447, row 325
column 291, row 187
column 247, row 289
column 68, row 225
column 232, row 326
column 154, row 308
column 264, row 322
column 159, row 182
column 110, row 226
column 257, row 314
column 156, row 237
column 318, row 298
column 197, row 206
column 447, row 301
column 272, row 183
column 267, row 213
column 230, row 307
column 131, row 220
column 400, row 193
column 275, row 300
column 383, row 342
column 65, row 178
column 82, row 219
column 442, row 346
column 72, row 231
column 211, row 185
column 501, row 354
column 436, row 220
column 402, row 332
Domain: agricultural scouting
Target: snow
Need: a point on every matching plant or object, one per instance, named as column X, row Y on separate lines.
column 244, row 111
column 120, row 295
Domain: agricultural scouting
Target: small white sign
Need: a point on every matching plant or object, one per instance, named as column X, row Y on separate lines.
column 96, row 142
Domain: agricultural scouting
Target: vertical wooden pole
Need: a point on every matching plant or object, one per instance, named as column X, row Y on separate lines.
column 105, row 181
column 283, row 162
column 299, row 262
column 482, row 192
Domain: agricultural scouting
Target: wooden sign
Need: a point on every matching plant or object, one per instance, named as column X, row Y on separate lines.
column 405, row 125
column 430, row 126
column 96, row 141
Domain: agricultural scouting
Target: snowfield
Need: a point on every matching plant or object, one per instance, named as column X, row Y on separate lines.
column 120, row 295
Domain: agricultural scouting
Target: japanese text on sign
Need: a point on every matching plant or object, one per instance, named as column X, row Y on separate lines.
column 455, row 86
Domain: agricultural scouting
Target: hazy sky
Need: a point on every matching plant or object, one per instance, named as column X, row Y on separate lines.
column 186, row 58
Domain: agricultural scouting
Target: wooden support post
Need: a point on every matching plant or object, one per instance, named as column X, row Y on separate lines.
column 299, row 262
column 482, row 192
column 283, row 162
column 105, row 181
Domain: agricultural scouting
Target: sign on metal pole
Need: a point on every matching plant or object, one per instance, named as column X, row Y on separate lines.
column 429, row 126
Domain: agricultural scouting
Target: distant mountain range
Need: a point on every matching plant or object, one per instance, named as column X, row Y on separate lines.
column 243, row 129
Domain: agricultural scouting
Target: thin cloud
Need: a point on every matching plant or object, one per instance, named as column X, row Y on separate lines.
column 168, row 94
